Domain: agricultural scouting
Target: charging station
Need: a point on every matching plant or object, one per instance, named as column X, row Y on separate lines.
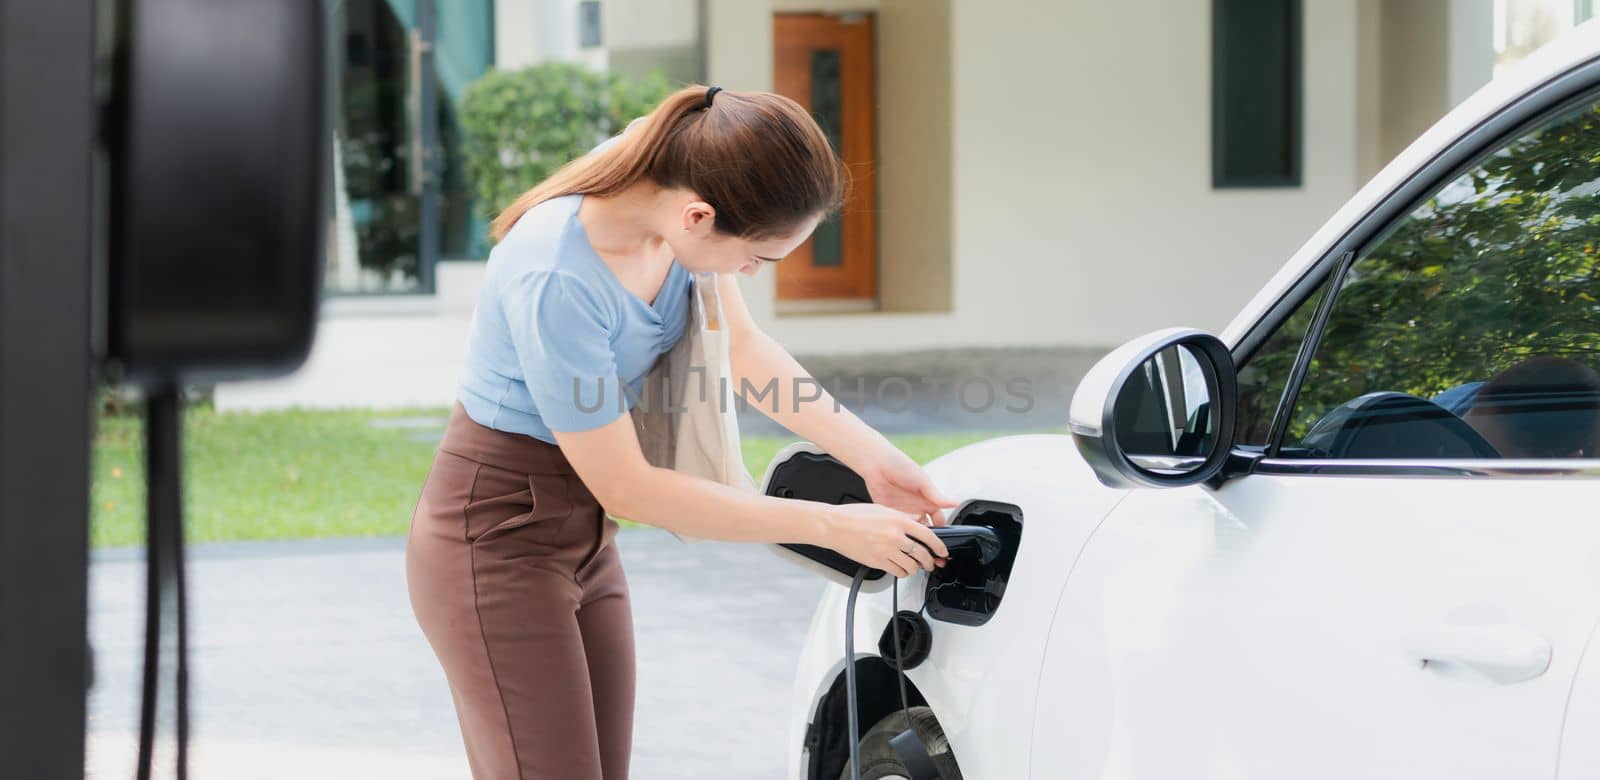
column 161, row 223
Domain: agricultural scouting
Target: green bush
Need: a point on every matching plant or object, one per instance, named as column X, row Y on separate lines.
column 522, row 125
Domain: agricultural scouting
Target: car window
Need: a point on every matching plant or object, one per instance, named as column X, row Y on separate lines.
column 1266, row 373
column 1469, row 328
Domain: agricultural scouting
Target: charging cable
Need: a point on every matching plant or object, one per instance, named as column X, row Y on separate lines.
column 899, row 660
column 850, row 667
column 164, row 586
column 850, row 670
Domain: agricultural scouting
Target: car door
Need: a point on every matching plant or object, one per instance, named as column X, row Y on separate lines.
column 1403, row 580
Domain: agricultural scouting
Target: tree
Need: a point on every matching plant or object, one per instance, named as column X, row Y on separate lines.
column 1501, row 265
column 522, row 125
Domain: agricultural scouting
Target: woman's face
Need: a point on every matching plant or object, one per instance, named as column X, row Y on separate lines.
column 701, row 249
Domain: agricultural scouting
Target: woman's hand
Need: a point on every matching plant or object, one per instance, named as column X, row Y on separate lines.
column 896, row 481
column 883, row 538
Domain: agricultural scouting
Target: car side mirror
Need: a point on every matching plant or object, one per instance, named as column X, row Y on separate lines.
column 1158, row 411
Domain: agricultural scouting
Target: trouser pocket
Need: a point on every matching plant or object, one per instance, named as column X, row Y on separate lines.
column 502, row 501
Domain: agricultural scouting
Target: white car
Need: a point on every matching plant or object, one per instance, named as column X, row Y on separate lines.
column 1355, row 536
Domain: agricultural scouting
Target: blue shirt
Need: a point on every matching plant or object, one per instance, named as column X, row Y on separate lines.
column 555, row 337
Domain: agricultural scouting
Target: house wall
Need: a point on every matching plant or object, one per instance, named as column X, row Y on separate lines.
column 1415, row 94
column 515, row 42
column 641, row 36
column 1417, row 60
column 1082, row 209
column 1471, row 25
column 1085, row 203
column 916, row 156
column 1370, row 156
column 528, row 32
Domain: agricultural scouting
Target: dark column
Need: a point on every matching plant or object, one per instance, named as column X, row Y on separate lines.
column 46, row 132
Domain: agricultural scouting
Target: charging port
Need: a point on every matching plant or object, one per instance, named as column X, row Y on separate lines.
column 966, row 591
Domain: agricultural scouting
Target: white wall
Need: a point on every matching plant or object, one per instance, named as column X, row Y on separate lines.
column 915, row 173
column 1471, row 52
column 527, row 32
column 515, row 43
column 377, row 351
column 630, row 24
column 1425, row 57
column 1084, row 213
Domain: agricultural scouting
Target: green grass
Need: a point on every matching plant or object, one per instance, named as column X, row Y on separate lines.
column 310, row 474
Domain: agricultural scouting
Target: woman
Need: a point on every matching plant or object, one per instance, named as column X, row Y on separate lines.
column 510, row 563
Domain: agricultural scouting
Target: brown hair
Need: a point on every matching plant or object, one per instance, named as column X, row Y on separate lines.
column 758, row 158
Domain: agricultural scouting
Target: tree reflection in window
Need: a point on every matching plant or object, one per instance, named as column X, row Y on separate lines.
column 1500, row 266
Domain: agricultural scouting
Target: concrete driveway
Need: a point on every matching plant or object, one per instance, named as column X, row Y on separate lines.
column 306, row 662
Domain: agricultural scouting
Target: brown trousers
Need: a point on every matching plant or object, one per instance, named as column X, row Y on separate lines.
column 516, row 582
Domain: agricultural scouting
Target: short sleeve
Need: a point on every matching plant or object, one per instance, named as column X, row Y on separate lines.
column 563, row 344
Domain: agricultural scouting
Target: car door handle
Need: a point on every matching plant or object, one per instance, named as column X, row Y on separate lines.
column 1501, row 653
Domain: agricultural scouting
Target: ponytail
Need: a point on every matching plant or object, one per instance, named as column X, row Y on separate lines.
column 758, row 158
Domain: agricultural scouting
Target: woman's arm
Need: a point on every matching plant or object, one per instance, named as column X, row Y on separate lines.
column 610, row 463
column 561, row 333
column 759, row 361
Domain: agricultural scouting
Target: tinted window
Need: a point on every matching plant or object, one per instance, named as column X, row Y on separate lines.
column 1469, row 329
column 1266, row 373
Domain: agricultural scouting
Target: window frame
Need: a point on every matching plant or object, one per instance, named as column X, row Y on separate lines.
column 1562, row 93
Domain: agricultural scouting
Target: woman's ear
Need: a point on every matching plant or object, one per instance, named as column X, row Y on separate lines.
column 698, row 212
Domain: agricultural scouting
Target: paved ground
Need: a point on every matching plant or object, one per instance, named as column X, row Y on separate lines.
column 306, row 661
column 1023, row 389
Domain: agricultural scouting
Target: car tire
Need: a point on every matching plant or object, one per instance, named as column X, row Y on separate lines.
column 878, row 759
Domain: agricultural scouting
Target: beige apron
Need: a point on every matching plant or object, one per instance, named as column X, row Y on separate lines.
column 685, row 417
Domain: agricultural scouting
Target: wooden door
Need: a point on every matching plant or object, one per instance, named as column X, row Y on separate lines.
column 825, row 63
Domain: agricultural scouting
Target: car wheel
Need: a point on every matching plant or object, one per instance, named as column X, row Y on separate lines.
column 878, row 760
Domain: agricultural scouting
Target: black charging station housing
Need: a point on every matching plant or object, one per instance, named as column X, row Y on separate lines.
column 216, row 143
